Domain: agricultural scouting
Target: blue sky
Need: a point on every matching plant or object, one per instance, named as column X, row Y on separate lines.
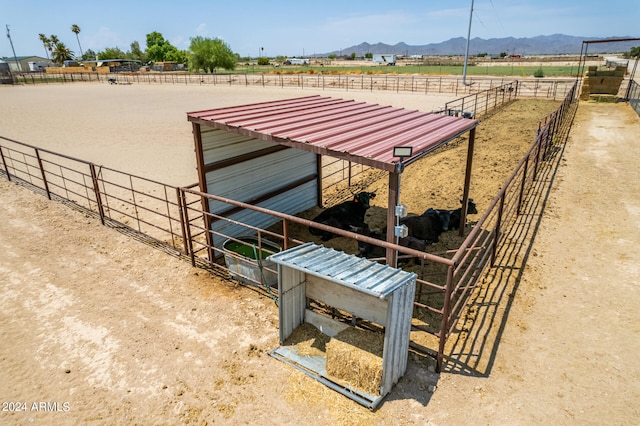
column 294, row 28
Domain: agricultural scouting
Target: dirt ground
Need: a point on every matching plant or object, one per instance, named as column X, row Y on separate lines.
column 103, row 329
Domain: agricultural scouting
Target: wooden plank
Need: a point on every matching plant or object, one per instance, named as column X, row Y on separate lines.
column 338, row 296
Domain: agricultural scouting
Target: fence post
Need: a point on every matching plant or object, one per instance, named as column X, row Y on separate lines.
column 494, row 247
column 96, row 189
column 181, row 210
column 187, row 227
column 4, row 164
column 486, row 100
column 285, row 234
column 475, row 106
column 444, row 324
column 535, row 163
column 44, row 176
column 524, row 182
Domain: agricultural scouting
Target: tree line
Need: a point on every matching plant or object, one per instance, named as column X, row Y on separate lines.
column 204, row 54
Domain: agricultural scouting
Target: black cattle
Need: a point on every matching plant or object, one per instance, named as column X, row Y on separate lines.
column 344, row 216
column 373, row 251
column 428, row 226
column 454, row 216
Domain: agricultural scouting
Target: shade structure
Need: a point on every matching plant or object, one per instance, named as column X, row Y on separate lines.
column 355, row 131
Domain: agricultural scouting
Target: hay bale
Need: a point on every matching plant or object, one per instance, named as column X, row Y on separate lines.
column 308, row 340
column 354, row 358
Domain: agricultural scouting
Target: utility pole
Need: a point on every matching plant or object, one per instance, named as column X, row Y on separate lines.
column 466, row 55
column 14, row 51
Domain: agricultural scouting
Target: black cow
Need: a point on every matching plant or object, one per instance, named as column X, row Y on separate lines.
column 427, row 226
column 344, row 216
column 373, row 251
column 454, row 216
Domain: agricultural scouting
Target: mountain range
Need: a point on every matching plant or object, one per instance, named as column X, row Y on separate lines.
column 556, row 44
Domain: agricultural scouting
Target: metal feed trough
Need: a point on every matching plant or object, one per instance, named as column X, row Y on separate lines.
column 368, row 290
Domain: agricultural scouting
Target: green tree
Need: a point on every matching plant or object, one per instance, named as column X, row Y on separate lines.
column 368, row 55
column 45, row 42
column 208, row 54
column 160, row 50
column 61, row 53
column 111, row 53
column 155, row 39
column 172, row 54
column 76, row 30
column 353, row 55
column 89, row 55
column 137, row 53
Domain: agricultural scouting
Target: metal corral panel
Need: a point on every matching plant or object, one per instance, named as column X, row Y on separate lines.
column 349, row 270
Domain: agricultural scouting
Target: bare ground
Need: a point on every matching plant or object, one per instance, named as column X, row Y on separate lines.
column 114, row 331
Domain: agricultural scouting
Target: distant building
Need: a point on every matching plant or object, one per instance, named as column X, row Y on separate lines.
column 39, row 66
column 297, row 61
column 5, row 73
column 384, row 59
column 23, row 62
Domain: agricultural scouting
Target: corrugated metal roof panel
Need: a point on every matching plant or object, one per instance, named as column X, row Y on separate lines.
column 360, row 132
column 349, row 270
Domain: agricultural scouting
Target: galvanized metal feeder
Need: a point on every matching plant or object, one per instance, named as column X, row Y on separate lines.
column 374, row 292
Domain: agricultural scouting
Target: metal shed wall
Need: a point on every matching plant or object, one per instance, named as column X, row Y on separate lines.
column 251, row 178
column 294, row 200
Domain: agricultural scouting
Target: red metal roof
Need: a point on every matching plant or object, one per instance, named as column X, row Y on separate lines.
column 356, row 131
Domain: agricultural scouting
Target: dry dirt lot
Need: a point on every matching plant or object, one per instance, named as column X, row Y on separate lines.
column 116, row 332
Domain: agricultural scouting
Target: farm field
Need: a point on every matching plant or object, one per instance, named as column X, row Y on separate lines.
column 115, row 331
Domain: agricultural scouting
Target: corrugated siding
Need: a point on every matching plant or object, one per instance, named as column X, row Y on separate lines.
column 219, row 144
column 349, row 270
column 292, row 303
column 248, row 180
column 296, row 200
column 251, row 179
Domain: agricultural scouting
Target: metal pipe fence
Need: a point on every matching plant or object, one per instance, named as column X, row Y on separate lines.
column 398, row 83
column 480, row 103
column 121, row 199
column 174, row 218
column 634, row 96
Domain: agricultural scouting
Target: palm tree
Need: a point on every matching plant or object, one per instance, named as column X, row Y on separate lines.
column 61, row 53
column 76, row 30
column 53, row 42
column 45, row 42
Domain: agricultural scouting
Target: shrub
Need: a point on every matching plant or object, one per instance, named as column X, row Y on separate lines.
column 539, row 73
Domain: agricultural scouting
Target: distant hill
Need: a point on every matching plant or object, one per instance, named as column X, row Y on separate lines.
column 555, row 44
